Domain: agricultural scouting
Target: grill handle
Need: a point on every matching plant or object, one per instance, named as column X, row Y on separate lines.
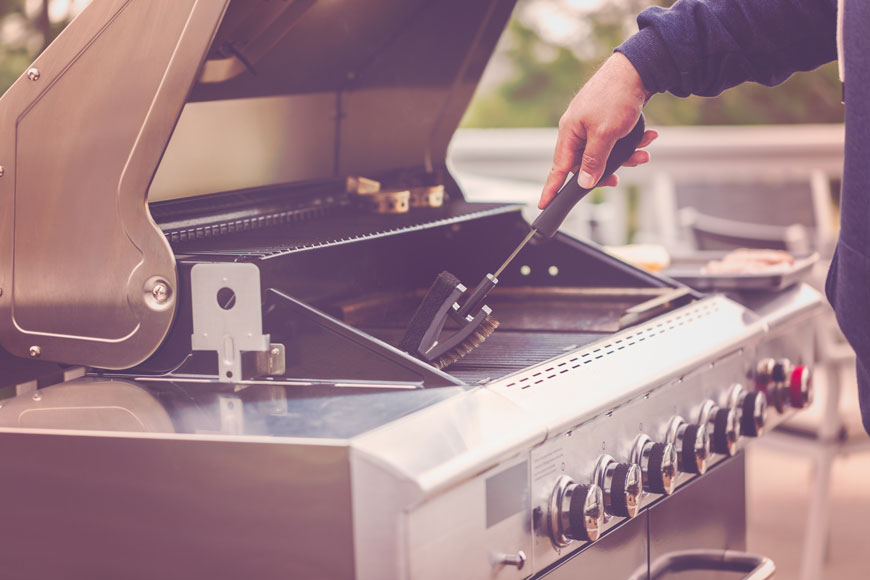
column 756, row 567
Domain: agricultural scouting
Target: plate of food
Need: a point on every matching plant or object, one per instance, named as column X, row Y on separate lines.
column 742, row 269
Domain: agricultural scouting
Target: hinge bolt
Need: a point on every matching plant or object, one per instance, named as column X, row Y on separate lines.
column 33, row 73
column 160, row 292
column 35, row 351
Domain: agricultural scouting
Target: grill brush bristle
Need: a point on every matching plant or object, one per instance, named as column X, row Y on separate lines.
column 423, row 338
column 473, row 341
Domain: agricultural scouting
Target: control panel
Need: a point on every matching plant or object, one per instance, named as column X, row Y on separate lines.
column 607, row 470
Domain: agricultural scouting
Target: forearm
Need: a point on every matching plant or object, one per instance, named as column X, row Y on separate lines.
column 703, row 47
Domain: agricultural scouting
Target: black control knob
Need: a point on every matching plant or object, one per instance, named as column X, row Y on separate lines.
column 622, row 484
column 773, row 377
column 753, row 413
column 723, row 426
column 692, row 443
column 585, row 512
column 658, row 465
column 576, row 512
column 726, row 432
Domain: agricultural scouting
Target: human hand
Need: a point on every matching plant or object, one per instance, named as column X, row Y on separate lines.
column 605, row 110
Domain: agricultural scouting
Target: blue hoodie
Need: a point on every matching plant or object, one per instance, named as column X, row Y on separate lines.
column 703, row 47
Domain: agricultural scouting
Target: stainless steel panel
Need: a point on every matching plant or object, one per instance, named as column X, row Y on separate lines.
column 709, row 513
column 87, row 276
column 103, row 506
column 461, row 534
column 243, row 143
column 615, row 557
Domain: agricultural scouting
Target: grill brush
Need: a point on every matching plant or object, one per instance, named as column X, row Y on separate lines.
column 448, row 298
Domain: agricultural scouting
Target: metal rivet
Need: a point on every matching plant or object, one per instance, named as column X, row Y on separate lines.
column 33, row 73
column 1, row 291
column 35, row 351
column 37, row 396
column 160, row 292
column 276, row 351
column 553, row 271
column 2, row 170
column 525, row 270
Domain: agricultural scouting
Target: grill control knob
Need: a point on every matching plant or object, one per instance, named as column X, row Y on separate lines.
column 773, row 376
column 622, row 484
column 800, row 391
column 658, row 465
column 576, row 512
column 753, row 413
column 692, row 443
column 723, row 426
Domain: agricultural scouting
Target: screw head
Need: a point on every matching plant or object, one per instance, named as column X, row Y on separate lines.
column 37, row 396
column 35, row 351
column 160, row 292
column 33, row 73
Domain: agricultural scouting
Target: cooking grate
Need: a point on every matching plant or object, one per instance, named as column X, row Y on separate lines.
column 505, row 351
column 331, row 230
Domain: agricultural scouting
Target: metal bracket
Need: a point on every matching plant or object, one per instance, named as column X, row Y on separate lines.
column 227, row 315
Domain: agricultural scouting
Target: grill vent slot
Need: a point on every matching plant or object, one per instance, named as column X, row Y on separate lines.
column 525, row 381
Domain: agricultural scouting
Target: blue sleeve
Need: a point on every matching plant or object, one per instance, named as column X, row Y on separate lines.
column 703, row 47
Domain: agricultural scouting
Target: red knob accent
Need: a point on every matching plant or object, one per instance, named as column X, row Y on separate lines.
column 799, row 387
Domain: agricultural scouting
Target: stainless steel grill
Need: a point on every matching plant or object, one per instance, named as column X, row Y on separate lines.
column 211, row 374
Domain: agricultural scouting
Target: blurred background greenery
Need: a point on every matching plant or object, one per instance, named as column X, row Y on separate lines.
column 552, row 46
column 26, row 28
column 548, row 50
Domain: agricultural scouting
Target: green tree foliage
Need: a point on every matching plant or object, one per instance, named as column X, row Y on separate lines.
column 544, row 75
column 26, row 35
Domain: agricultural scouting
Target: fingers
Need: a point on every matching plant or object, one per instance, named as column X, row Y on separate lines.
column 564, row 162
column 594, row 159
column 637, row 158
column 611, row 181
column 648, row 137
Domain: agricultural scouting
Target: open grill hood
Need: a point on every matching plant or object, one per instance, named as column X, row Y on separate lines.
column 289, row 91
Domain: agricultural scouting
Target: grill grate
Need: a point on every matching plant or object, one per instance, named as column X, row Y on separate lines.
column 331, row 230
column 505, row 352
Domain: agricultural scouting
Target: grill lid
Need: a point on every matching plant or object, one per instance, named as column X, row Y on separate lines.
column 310, row 90
column 272, row 92
column 86, row 276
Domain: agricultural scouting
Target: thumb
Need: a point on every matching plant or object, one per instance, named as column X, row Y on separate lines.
column 594, row 160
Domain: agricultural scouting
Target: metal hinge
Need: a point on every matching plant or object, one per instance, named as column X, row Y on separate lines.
column 227, row 319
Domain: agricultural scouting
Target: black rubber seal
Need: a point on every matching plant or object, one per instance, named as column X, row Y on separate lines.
column 577, row 514
column 654, row 468
column 687, row 454
column 747, row 417
column 618, row 503
column 720, row 431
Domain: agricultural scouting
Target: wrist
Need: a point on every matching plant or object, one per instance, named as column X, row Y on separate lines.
column 632, row 78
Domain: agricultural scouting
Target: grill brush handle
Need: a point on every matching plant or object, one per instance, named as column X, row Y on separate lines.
column 548, row 221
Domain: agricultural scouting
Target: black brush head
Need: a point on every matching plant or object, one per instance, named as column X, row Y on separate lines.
column 474, row 340
column 440, row 291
